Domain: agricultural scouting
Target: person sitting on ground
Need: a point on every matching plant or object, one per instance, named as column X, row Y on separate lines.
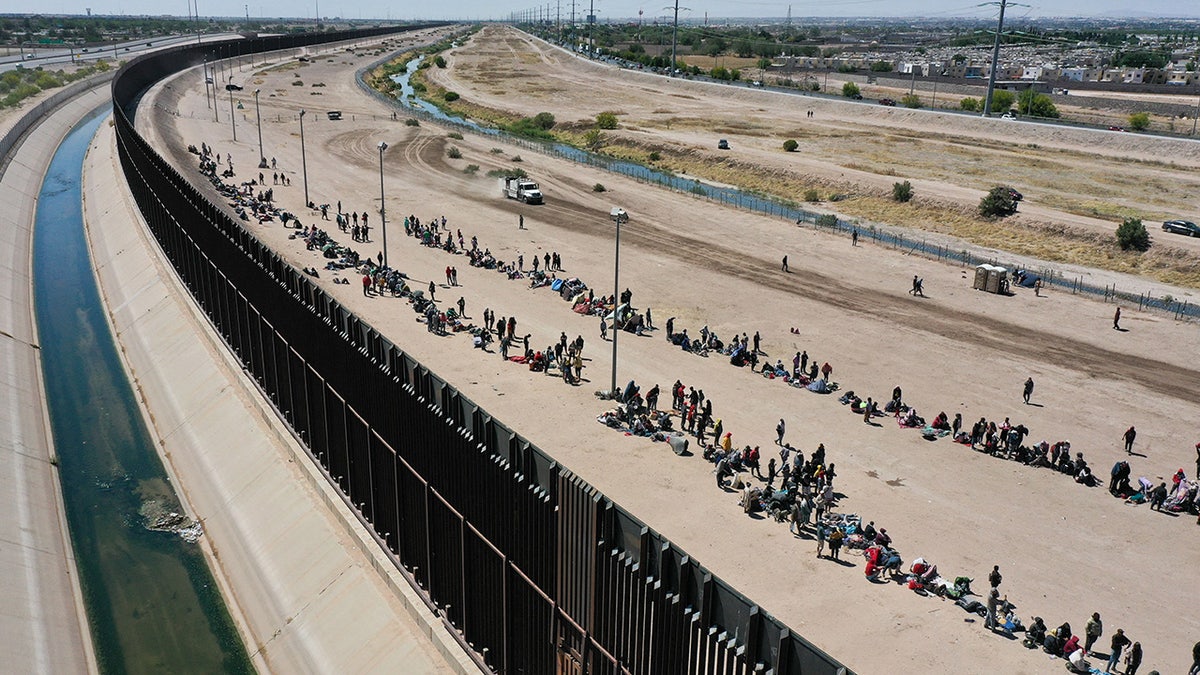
column 941, row 422
column 1055, row 641
column 1035, row 635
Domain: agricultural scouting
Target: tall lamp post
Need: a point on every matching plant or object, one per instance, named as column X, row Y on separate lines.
column 619, row 216
column 232, row 122
column 303, row 160
column 382, row 206
column 262, row 158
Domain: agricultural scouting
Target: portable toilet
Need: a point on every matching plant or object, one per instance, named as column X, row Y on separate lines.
column 995, row 279
column 981, row 275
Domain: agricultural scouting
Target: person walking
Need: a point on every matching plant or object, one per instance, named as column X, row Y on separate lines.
column 785, row 265
column 521, row 221
column 1119, row 643
column 1092, row 631
column 854, row 237
column 432, row 288
column 603, row 328
column 1130, row 435
column 1117, row 319
column 779, row 429
column 1028, row 390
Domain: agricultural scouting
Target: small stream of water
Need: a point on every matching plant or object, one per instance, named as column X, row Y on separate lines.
column 151, row 601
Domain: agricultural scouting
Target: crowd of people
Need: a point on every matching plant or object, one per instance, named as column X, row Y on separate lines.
column 794, row 489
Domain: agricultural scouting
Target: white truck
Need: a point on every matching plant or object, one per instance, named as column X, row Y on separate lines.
column 521, row 189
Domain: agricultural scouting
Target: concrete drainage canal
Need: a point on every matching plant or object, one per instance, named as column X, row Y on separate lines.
column 151, row 600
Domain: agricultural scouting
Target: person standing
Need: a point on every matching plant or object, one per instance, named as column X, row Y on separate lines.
column 821, row 533
column 603, row 329
column 521, row 221
column 854, row 237
column 1119, row 643
column 835, row 542
column 1130, row 435
column 779, row 429
column 785, row 265
column 993, row 601
column 995, row 577
column 1134, row 659
column 1117, row 319
column 1028, row 391
column 432, row 288
column 462, row 306
column 1092, row 631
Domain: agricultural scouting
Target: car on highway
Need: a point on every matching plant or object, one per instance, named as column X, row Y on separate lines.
column 887, row 101
column 1186, row 227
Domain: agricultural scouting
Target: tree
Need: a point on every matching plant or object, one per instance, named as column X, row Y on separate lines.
column 902, row 192
column 790, row 145
column 606, row 120
column 594, row 139
column 911, row 101
column 850, row 90
column 543, row 121
column 1139, row 121
column 881, row 67
column 440, row 61
column 998, row 203
column 764, row 63
column 743, row 48
column 970, row 104
column 1002, row 100
column 959, row 59
column 1132, row 234
column 1036, row 105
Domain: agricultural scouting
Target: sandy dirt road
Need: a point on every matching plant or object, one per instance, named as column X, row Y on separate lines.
column 1065, row 550
column 1083, row 178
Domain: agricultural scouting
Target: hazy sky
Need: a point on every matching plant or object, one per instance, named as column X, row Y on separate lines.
column 616, row 9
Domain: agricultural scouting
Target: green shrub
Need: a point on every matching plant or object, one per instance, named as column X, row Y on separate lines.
column 455, row 135
column 811, row 195
column 997, row 203
column 543, row 121
column 471, row 169
column 606, row 120
column 1002, row 100
column 298, row 83
column 881, row 67
column 790, row 145
column 1139, row 121
column 1132, row 234
column 412, row 122
column 497, row 151
column 827, row 220
column 970, row 104
column 454, row 153
column 450, row 96
column 439, row 61
column 911, row 101
column 837, row 197
column 654, row 156
column 902, row 192
column 594, row 139
column 850, row 90
column 599, row 187
column 517, row 158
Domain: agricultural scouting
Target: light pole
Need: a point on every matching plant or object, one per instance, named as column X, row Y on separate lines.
column 303, row 161
column 232, row 121
column 262, row 158
column 382, row 207
column 619, row 216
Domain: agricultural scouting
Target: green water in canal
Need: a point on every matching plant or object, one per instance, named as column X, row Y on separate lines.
column 152, row 604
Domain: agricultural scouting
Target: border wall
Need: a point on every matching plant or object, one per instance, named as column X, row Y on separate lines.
column 536, row 570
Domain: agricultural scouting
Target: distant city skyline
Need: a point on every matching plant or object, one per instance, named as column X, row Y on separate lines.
column 611, row 10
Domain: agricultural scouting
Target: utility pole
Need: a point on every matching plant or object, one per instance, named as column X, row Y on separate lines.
column 675, row 35
column 987, row 103
column 558, row 18
column 591, row 28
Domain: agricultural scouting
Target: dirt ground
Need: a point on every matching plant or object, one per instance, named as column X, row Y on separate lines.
column 1081, row 179
column 1065, row 550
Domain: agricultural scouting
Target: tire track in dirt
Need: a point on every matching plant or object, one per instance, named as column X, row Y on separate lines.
column 571, row 214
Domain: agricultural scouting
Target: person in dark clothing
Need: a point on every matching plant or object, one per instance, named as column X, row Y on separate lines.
column 785, row 266
column 1119, row 643
column 995, row 578
column 1158, row 496
column 1130, row 435
column 1135, row 659
column 1028, row 391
